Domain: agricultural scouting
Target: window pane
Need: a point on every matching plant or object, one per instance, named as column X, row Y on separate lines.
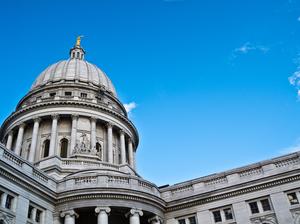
column 8, row 203
column 228, row 214
column 293, row 198
column 217, row 216
column 29, row 212
column 192, row 220
column 254, row 207
column 181, row 221
column 265, row 205
column 38, row 215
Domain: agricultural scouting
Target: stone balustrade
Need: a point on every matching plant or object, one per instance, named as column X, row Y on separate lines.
column 231, row 177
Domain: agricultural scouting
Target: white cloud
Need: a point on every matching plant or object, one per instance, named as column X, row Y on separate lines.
column 299, row 18
column 247, row 47
column 294, row 79
column 130, row 106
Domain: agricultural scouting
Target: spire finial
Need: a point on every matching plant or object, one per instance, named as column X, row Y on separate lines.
column 78, row 40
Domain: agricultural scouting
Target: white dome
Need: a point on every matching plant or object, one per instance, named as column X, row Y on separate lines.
column 74, row 70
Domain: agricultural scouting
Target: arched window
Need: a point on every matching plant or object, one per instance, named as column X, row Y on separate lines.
column 46, row 148
column 98, row 147
column 64, row 148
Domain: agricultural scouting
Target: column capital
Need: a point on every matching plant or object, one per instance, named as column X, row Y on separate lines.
column 122, row 132
column 93, row 118
column 155, row 219
column 74, row 116
column 22, row 125
column 55, row 116
column 134, row 211
column 104, row 209
column 70, row 213
column 37, row 119
column 109, row 124
column 11, row 132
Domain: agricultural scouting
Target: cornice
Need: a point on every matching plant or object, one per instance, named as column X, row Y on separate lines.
column 200, row 199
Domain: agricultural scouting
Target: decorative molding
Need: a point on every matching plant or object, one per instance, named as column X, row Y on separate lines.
column 104, row 209
column 70, row 213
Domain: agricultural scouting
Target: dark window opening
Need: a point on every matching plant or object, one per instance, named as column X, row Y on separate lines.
column 68, row 93
column 265, row 205
column 192, row 220
column 38, row 216
column 83, row 95
column 46, row 148
column 8, row 203
column 52, row 94
column 64, row 148
column 293, row 198
column 228, row 214
column 254, row 207
column 181, row 221
column 29, row 212
column 217, row 216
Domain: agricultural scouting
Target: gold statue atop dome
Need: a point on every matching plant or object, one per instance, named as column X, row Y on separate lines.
column 78, row 40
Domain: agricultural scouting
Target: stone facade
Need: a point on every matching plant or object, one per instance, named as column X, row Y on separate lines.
column 68, row 156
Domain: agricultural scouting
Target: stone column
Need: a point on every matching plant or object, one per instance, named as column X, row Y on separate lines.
column 102, row 214
column 134, row 160
column 134, row 216
column 20, row 139
column 93, row 132
column 3, row 199
column 130, row 153
column 53, row 137
column 74, row 132
column 109, row 143
column 155, row 220
column 123, row 150
column 34, row 138
column 69, row 216
column 9, row 140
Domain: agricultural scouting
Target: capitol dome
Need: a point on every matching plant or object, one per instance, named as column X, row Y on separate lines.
column 76, row 70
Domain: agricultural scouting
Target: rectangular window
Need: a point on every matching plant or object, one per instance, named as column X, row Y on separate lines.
column 83, row 95
column 38, row 216
column 265, row 205
column 228, row 214
column 293, row 198
column 254, row 207
column 192, row 220
column 8, row 203
column 181, row 221
column 217, row 216
column 68, row 93
column 29, row 212
column 52, row 94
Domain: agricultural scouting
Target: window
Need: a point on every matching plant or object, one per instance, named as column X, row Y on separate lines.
column 68, row 93
column 38, row 215
column 78, row 54
column 228, row 214
column 192, row 220
column 265, row 205
column 83, row 95
column 260, row 205
column 46, row 148
column 254, row 207
column 223, row 214
column 29, row 212
column 52, row 94
column 181, row 221
column 64, row 148
column 9, row 201
column 293, row 199
column 187, row 220
column 217, row 216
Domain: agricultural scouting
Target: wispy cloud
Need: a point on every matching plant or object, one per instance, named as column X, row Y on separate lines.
column 247, row 47
column 130, row 106
column 291, row 149
column 294, row 79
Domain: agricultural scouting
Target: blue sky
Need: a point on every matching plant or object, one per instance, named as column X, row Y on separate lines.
column 210, row 78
